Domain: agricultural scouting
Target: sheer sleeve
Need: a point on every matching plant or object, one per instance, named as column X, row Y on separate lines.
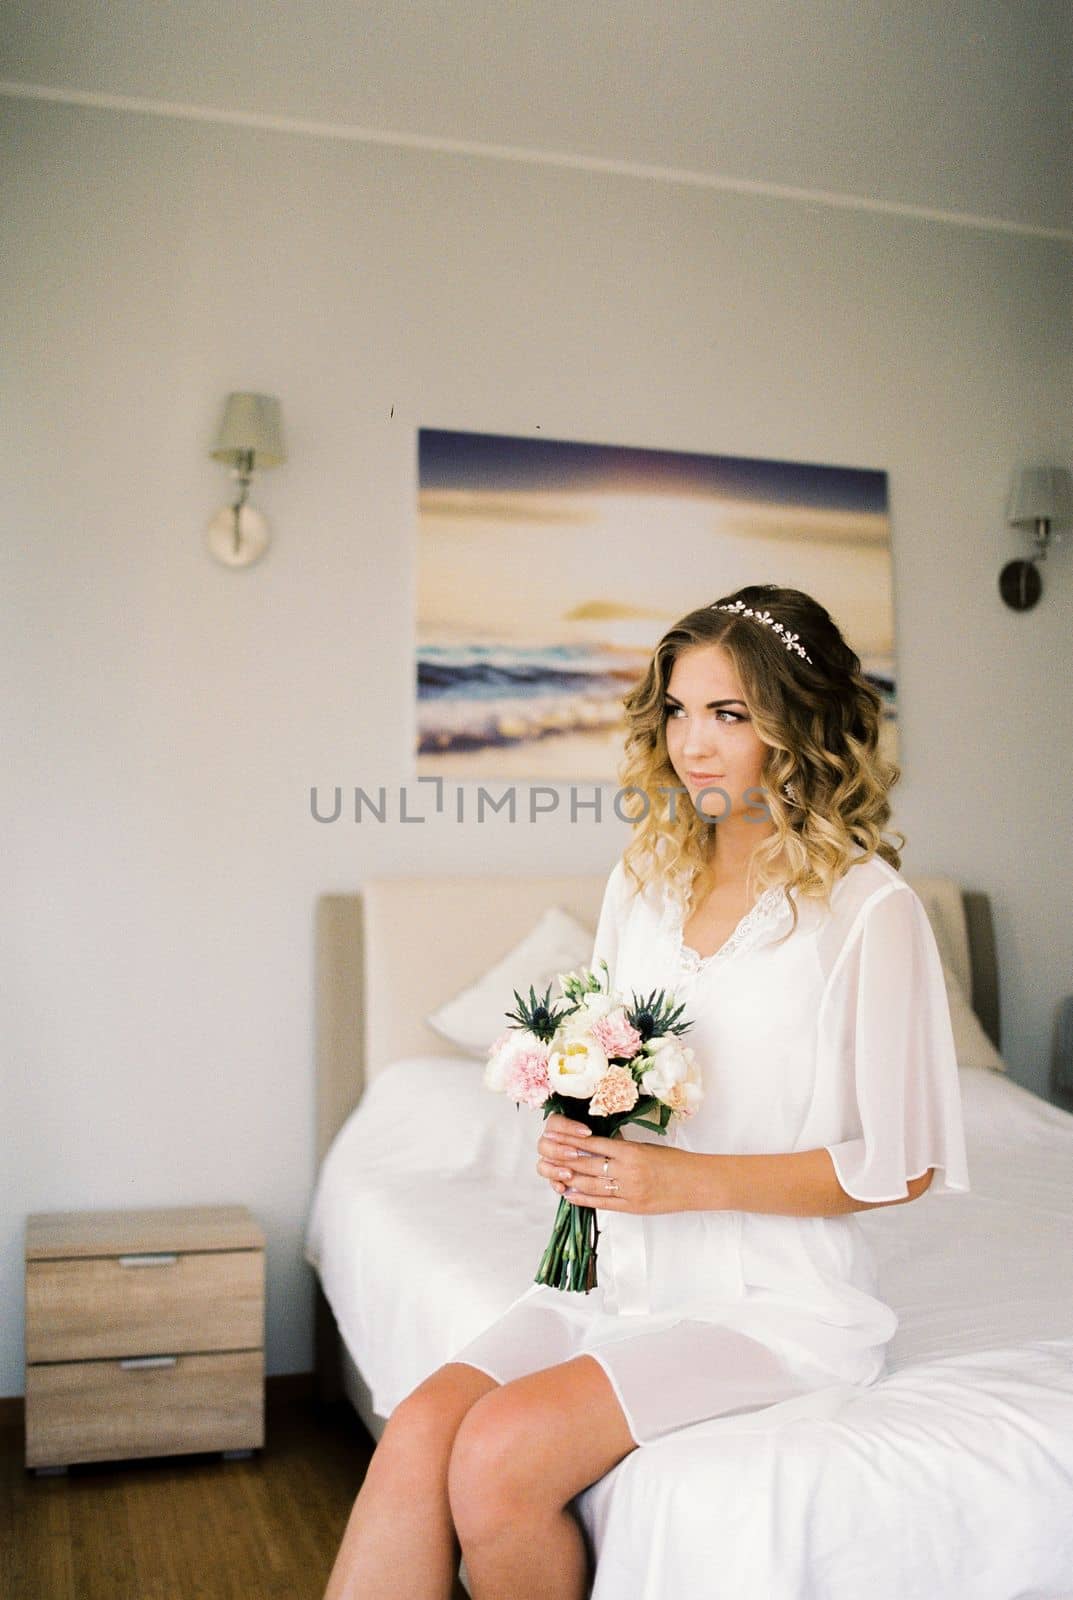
column 886, row 1022
column 606, row 943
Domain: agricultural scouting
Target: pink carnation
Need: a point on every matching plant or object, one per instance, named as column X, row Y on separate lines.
column 616, row 1091
column 616, row 1035
column 503, row 1040
column 527, row 1077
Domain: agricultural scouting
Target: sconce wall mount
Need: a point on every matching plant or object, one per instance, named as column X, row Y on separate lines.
column 250, row 436
column 1041, row 500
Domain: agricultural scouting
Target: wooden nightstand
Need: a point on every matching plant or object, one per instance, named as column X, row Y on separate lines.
column 144, row 1334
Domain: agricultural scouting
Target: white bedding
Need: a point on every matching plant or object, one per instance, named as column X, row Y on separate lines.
column 949, row 1479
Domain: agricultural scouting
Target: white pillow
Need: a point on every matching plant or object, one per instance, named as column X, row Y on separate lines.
column 474, row 1019
column 972, row 1046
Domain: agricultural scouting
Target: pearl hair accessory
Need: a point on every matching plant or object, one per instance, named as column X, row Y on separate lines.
column 790, row 640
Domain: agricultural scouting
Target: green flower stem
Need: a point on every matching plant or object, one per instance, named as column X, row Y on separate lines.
column 551, row 1261
column 569, row 1260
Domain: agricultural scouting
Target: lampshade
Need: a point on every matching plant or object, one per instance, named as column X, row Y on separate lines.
column 1041, row 493
column 250, row 422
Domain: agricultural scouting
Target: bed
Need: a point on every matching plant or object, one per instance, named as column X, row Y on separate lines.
column 951, row 1478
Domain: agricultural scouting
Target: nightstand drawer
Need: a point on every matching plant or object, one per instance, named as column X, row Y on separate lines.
column 141, row 1305
column 106, row 1411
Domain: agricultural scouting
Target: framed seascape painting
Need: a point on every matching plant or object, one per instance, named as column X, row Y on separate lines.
column 548, row 571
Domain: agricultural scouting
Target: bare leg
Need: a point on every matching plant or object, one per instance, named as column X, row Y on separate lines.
column 520, row 1456
column 400, row 1537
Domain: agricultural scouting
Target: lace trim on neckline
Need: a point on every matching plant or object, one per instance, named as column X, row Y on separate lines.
column 765, row 913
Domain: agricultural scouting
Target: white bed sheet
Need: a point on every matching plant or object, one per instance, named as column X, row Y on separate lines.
column 950, row 1479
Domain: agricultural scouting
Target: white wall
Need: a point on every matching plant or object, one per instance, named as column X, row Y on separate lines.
column 962, row 104
column 167, row 717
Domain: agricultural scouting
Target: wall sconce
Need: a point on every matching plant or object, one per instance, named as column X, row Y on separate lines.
column 1041, row 499
column 249, row 437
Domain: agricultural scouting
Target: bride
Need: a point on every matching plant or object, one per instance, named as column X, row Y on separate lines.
column 770, row 900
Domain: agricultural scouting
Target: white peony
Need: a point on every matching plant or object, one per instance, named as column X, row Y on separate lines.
column 576, row 1065
column 673, row 1076
column 502, row 1054
column 593, row 1006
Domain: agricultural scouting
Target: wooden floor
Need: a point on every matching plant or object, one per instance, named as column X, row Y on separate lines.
column 187, row 1527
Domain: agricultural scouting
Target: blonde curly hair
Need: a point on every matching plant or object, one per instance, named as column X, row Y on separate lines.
column 821, row 723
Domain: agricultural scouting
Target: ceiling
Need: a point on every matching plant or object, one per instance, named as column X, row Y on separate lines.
column 962, row 105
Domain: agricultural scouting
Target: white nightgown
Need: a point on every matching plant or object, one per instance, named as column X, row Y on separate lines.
column 840, row 1038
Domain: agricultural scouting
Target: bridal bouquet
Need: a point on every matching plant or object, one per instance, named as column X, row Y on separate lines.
column 603, row 1059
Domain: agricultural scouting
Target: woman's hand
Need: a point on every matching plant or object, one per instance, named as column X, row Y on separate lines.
column 617, row 1174
column 558, row 1145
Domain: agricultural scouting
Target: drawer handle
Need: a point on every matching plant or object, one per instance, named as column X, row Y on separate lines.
column 133, row 1362
column 159, row 1260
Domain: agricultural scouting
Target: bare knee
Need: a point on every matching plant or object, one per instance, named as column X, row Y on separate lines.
column 487, row 1480
column 420, row 1431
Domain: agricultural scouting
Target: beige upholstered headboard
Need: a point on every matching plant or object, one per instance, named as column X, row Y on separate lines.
column 387, row 956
